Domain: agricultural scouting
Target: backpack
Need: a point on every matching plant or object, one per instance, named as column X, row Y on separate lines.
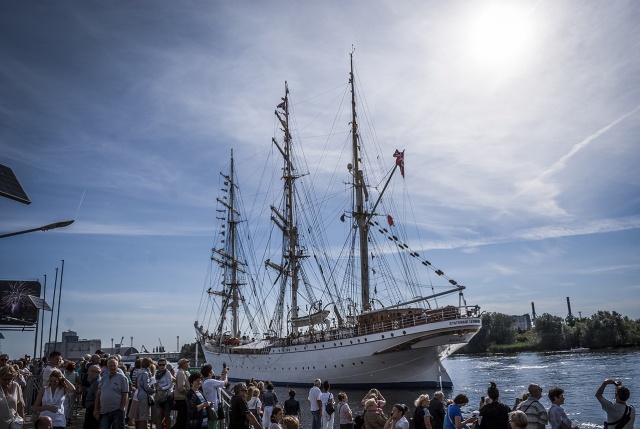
column 358, row 421
column 619, row 424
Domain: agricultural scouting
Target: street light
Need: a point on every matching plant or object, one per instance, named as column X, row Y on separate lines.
column 42, row 228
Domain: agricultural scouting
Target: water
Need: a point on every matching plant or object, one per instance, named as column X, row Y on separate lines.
column 579, row 374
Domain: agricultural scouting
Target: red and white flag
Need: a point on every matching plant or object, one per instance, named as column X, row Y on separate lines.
column 399, row 160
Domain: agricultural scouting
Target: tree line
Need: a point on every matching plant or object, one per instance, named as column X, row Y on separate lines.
column 602, row 330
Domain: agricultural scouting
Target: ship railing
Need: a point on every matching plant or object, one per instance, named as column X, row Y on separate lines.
column 389, row 324
column 401, row 321
column 226, row 403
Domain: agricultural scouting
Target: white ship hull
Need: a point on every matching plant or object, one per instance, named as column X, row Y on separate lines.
column 404, row 357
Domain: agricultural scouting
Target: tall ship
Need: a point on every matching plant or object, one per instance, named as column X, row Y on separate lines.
column 332, row 287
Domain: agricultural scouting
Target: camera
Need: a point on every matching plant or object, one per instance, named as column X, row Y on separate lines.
column 618, row 383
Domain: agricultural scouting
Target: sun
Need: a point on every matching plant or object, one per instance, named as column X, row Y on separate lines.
column 501, row 34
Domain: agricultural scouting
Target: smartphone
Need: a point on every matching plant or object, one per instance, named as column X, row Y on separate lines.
column 482, row 399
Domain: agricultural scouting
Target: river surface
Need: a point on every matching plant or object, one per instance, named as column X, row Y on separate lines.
column 579, row 374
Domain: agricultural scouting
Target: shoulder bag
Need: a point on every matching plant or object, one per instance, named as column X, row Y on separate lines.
column 220, row 411
column 329, row 407
column 16, row 422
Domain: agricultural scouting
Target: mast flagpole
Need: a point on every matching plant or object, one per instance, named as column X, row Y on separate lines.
column 360, row 214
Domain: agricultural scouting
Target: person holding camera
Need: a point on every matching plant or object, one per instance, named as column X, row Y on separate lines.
column 619, row 414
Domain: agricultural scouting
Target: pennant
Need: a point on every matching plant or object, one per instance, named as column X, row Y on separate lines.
column 372, row 256
column 281, row 105
column 399, row 160
column 342, row 218
column 390, row 220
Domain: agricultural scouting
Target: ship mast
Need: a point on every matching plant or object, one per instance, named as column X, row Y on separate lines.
column 360, row 214
column 227, row 257
column 285, row 219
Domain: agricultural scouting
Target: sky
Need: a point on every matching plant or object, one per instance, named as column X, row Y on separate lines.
column 520, row 122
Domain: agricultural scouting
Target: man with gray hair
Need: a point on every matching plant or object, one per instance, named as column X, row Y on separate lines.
column 111, row 398
column 93, row 378
column 437, row 410
column 316, row 404
column 535, row 411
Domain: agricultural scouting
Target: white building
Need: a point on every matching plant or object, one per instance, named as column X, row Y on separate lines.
column 72, row 347
column 521, row 323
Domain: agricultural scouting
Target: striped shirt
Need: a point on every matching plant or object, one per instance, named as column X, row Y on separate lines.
column 535, row 411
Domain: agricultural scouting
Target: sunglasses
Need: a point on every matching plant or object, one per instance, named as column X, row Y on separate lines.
column 162, row 364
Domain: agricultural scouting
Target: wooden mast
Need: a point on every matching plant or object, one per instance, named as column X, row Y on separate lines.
column 360, row 214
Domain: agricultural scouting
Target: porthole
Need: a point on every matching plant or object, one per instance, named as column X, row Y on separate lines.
column 392, row 334
column 404, row 332
column 383, row 335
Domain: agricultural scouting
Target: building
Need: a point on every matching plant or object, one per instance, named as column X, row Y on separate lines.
column 72, row 347
column 521, row 323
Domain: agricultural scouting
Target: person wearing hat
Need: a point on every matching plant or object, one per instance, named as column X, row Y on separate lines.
column 180, row 393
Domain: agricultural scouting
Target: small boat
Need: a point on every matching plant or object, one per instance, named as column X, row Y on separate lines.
column 579, row 350
column 375, row 313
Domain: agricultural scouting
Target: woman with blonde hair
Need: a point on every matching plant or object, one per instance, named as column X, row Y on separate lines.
column 518, row 420
column 254, row 404
column 290, row 422
column 421, row 415
column 11, row 401
column 374, row 418
column 50, row 400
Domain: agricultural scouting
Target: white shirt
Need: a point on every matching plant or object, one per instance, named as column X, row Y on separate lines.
column 210, row 389
column 314, row 395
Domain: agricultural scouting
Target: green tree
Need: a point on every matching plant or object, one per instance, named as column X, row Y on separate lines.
column 575, row 335
column 548, row 328
column 632, row 331
column 606, row 329
column 497, row 328
column 188, row 351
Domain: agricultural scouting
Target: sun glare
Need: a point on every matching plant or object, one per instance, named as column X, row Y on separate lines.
column 501, row 35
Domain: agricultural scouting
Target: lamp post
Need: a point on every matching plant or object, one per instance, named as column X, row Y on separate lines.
column 42, row 228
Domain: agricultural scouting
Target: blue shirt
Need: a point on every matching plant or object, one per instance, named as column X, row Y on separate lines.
column 450, row 418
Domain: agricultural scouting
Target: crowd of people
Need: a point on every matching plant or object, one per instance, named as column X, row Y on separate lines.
column 149, row 393
column 438, row 413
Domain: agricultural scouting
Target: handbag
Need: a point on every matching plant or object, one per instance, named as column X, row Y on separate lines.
column 220, row 412
column 16, row 422
column 211, row 414
column 329, row 406
column 162, row 396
